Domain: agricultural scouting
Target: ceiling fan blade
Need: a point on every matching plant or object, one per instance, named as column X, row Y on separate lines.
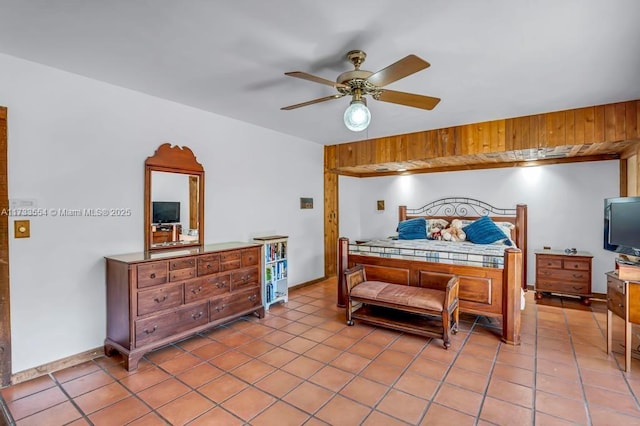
column 401, row 69
column 408, row 99
column 306, row 76
column 315, row 101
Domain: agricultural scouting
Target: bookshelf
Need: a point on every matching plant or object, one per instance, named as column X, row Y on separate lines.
column 274, row 269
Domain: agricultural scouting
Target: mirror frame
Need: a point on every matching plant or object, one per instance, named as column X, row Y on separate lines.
column 172, row 159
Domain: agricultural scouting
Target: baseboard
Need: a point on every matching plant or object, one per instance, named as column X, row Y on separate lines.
column 307, row 283
column 50, row 367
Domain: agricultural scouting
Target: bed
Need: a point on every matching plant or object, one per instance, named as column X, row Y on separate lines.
column 491, row 281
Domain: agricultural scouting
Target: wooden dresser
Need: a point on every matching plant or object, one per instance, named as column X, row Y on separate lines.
column 560, row 272
column 160, row 297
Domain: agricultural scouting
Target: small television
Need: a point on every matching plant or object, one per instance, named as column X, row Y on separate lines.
column 166, row 211
column 622, row 225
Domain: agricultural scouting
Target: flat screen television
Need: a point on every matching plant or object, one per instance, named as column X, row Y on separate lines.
column 166, row 211
column 622, row 225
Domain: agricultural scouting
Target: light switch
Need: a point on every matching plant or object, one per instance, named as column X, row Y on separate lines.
column 22, row 228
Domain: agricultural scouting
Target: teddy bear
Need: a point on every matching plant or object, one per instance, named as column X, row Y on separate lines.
column 454, row 232
column 434, row 231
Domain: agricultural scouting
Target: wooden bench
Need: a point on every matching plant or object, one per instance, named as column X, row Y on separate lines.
column 431, row 312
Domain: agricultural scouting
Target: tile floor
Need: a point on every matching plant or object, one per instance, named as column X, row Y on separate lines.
column 301, row 365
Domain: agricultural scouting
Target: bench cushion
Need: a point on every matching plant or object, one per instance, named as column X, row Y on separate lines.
column 415, row 297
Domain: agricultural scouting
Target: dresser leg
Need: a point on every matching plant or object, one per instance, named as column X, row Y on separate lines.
column 627, row 347
column 609, row 330
column 538, row 295
column 131, row 361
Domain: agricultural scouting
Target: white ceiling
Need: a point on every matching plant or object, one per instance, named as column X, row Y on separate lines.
column 489, row 59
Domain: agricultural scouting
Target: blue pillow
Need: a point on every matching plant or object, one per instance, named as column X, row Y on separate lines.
column 412, row 229
column 485, row 231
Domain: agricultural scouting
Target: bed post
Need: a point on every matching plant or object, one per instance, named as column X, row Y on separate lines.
column 511, row 296
column 402, row 213
column 521, row 227
column 343, row 264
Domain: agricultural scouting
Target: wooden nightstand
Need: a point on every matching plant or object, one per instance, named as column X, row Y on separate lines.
column 560, row 272
column 623, row 300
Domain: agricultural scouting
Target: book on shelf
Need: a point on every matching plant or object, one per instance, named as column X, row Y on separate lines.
column 269, row 292
column 268, row 274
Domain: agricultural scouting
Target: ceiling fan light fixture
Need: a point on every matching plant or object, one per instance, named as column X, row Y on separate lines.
column 357, row 116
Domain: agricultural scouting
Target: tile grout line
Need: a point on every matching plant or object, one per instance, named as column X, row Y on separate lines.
column 575, row 358
column 85, row 416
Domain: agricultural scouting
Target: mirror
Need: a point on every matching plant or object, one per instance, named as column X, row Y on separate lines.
column 173, row 199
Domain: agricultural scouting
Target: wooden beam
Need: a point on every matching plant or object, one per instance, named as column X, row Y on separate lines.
column 330, row 213
column 5, row 299
column 541, row 162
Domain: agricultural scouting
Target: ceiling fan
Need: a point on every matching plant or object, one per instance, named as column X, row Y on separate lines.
column 359, row 83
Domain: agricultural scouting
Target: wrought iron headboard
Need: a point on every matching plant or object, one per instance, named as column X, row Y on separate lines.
column 459, row 207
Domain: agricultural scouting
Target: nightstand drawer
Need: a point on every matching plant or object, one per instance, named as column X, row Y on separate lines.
column 581, row 265
column 563, row 287
column 549, row 262
column 564, row 275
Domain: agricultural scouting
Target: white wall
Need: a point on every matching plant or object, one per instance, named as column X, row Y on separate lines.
column 565, row 204
column 78, row 143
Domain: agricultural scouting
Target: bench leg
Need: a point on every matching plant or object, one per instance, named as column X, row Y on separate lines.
column 456, row 318
column 445, row 329
column 348, row 313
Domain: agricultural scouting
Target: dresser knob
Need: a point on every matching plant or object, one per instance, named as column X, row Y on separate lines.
column 160, row 300
column 220, row 308
column 196, row 316
column 152, row 276
column 196, row 290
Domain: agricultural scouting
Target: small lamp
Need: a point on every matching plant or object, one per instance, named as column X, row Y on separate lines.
column 357, row 116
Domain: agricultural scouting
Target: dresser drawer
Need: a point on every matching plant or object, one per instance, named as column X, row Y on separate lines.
column 582, row 265
column 251, row 257
column 577, row 276
column 206, row 287
column 615, row 285
column 182, row 274
column 238, row 302
column 615, row 303
column 245, row 278
column 230, row 261
column 182, row 264
column 159, row 298
column 157, row 328
column 563, row 287
column 151, row 274
column 208, row 265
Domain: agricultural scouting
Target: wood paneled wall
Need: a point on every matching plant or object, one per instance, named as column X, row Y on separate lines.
column 582, row 126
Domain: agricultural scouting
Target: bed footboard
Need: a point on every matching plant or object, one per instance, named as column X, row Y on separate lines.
column 491, row 292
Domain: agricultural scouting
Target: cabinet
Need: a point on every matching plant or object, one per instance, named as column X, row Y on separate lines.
column 157, row 298
column 623, row 300
column 165, row 234
column 560, row 272
column 274, row 273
